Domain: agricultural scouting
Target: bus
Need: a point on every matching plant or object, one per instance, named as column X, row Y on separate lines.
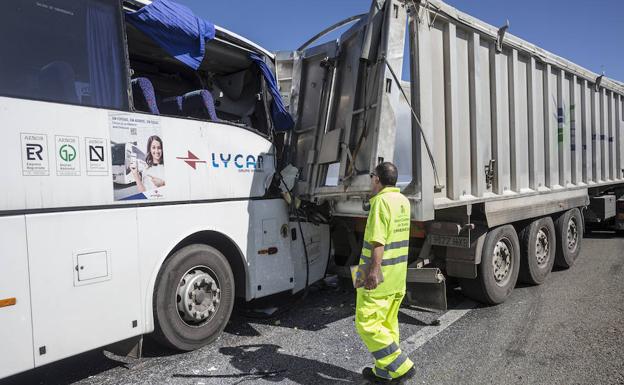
column 139, row 183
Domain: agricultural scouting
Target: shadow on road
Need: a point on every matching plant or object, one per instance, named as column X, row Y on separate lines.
column 602, row 234
column 66, row 371
column 268, row 362
column 151, row 348
column 331, row 301
column 410, row 320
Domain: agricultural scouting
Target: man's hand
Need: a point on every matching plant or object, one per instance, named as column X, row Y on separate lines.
column 372, row 280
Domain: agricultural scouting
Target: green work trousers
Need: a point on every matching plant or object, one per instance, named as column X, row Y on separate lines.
column 377, row 323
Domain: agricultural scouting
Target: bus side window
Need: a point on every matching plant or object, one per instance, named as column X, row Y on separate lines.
column 63, row 51
column 226, row 88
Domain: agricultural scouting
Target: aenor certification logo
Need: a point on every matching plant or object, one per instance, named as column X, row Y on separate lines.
column 35, row 155
column 67, row 156
column 96, row 156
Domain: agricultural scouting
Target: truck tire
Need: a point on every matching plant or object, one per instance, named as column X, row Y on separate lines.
column 497, row 273
column 193, row 298
column 537, row 251
column 569, row 231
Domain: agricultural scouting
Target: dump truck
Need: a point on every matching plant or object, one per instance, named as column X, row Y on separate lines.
column 505, row 150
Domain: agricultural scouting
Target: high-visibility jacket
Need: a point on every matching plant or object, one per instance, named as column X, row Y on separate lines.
column 388, row 224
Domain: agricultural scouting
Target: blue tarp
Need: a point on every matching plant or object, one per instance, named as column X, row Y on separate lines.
column 175, row 28
column 282, row 121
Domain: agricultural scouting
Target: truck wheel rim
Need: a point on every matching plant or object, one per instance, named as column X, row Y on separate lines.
column 198, row 296
column 542, row 247
column 572, row 234
column 502, row 261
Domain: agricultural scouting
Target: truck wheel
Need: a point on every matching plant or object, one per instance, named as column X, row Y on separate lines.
column 498, row 272
column 569, row 231
column 537, row 251
column 193, row 298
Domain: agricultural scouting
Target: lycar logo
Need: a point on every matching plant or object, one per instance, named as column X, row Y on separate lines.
column 191, row 159
column 240, row 162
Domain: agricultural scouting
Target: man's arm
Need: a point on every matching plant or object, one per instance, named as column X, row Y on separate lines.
column 372, row 280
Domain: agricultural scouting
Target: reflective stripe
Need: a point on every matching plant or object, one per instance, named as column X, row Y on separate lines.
column 389, row 246
column 386, row 262
column 382, row 373
column 396, row 364
column 397, row 245
column 383, row 352
column 394, row 261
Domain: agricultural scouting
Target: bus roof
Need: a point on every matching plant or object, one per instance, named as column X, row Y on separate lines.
column 222, row 33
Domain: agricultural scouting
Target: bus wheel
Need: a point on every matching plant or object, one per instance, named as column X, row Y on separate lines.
column 537, row 248
column 193, row 298
column 569, row 231
column 498, row 272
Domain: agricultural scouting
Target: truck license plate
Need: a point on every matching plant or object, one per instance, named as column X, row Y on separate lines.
column 450, row 241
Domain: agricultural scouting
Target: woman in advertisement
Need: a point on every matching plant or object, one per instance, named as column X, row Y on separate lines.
column 153, row 176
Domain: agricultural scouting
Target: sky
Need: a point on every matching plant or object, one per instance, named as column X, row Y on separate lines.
column 587, row 32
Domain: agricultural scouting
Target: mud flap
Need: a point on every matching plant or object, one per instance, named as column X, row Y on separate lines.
column 131, row 347
column 426, row 289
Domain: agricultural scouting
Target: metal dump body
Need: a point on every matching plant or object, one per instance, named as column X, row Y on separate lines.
column 503, row 118
column 547, row 124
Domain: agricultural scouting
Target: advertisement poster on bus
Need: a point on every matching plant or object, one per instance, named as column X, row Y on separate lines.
column 138, row 161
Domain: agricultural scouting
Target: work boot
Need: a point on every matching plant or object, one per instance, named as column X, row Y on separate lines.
column 409, row 374
column 370, row 376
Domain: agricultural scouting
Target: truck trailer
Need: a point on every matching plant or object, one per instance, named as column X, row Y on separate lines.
column 504, row 150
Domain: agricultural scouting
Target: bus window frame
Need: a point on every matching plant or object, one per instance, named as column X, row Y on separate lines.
column 126, row 55
column 264, row 91
column 125, row 63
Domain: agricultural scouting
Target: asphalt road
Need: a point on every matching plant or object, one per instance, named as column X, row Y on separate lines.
column 569, row 330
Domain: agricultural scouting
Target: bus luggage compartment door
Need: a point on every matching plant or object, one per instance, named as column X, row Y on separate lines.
column 84, row 277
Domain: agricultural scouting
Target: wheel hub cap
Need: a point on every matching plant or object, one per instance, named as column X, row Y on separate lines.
column 198, row 296
column 572, row 234
column 542, row 247
column 501, row 261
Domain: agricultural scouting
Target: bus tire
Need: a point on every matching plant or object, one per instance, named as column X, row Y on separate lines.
column 569, row 231
column 497, row 273
column 193, row 298
column 537, row 251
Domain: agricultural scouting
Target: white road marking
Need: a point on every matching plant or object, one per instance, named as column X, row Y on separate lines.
column 428, row 332
column 327, row 377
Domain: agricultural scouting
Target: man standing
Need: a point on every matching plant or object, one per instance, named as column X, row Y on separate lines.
column 385, row 249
